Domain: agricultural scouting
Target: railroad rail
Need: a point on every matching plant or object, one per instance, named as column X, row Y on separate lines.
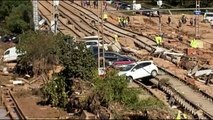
column 139, row 40
column 175, row 9
column 46, row 12
column 11, row 105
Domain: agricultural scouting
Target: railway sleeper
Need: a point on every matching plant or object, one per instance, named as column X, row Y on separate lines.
column 187, row 106
column 192, row 84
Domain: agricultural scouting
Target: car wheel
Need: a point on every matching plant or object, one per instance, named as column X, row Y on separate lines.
column 130, row 79
column 154, row 73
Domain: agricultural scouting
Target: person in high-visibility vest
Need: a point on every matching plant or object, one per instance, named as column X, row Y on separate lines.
column 119, row 21
column 178, row 117
column 184, row 116
column 105, row 17
column 193, row 43
column 116, row 38
column 158, row 40
column 122, row 21
column 125, row 22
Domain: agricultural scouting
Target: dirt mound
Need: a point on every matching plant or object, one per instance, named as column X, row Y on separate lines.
column 126, row 42
column 149, row 21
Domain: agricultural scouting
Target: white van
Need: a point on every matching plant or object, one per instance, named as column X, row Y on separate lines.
column 208, row 16
column 109, row 1
column 136, row 6
column 10, row 54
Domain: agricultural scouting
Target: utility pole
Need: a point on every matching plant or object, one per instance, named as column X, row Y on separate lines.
column 35, row 15
column 197, row 13
column 55, row 15
column 102, row 33
column 102, row 36
column 159, row 3
column 98, row 42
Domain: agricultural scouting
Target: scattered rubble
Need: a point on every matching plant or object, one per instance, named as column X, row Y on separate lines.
column 204, row 75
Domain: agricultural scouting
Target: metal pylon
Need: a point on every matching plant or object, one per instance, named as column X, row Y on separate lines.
column 197, row 34
column 35, row 14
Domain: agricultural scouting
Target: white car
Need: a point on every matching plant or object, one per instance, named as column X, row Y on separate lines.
column 139, row 70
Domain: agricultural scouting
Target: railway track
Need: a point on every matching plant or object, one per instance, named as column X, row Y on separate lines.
column 78, row 21
column 142, row 41
column 46, row 14
column 11, row 105
column 78, row 25
column 192, row 100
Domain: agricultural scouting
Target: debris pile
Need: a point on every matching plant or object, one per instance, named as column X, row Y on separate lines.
column 84, row 103
column 202, row 74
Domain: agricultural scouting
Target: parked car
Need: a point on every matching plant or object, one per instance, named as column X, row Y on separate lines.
column 139, row 70
column 94, row 49
column 111, row 57
column 125, row 6
column 9, row 38
column 114, row 3
column 150, row 13
column 123, row 62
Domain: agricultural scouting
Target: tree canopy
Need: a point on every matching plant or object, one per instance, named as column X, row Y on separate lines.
column 44, row 50
column 17, row 15
column 77, row 59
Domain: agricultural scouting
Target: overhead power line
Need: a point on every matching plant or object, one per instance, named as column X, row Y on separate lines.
column 174, row 9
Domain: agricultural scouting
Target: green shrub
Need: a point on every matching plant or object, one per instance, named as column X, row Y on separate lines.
column 55, row 92
column 113, row 88
column 76, row 59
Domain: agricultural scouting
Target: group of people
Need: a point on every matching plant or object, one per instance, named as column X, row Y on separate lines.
column 86, row 3
column 123, row 21
column 182, row 20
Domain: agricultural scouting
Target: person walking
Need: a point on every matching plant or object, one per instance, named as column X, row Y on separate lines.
column 81, row 3
column 180, row 115
column 180, row 23
column 94, row 4
column 88, row 3
column 119, row 21
column 105, row 16
column 191, row 21
column 117, row 6
column 193, row 43
column 158, row 40
column 126, row 21
column 169, row 20
column 116, row 38
column 105, row 5
column 195, row 21
column 183, row 19
column 211, row 23
column 122, row 21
